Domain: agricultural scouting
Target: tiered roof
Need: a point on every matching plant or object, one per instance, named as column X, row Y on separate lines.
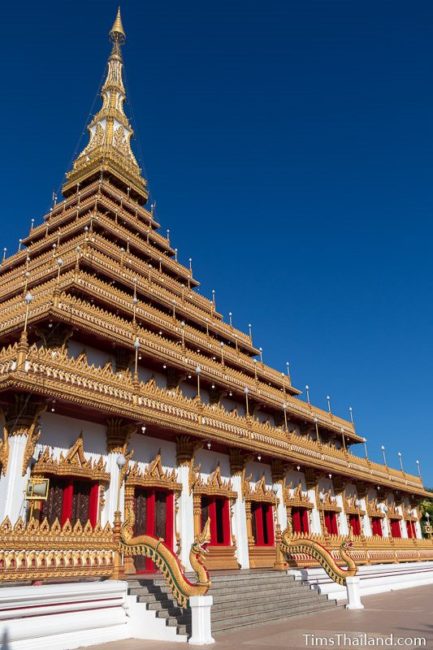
column 98, row 269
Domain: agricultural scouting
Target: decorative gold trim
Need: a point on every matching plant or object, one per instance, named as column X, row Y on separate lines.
column 164, row 558
column 298, row 499
column 290, row 545
column 326, row 501
column 215, row 485
column 4, row 450
column 350, row 507
column 373, row 509
column 73, row 464
column 393, row 513
column 37, row 551
column 153, row 476
column 260, row 493
column 33, row 436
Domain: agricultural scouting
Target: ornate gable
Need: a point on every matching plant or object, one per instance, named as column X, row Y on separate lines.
column 153, row 476
column 73, row 464
column 373, row 509
column 393, row 513
column 351, row 506
column 297, row 498
column 259, row 493
column 215, row 485
column 328, row 502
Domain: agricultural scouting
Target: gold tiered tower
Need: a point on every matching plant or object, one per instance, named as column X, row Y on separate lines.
column 102, row 330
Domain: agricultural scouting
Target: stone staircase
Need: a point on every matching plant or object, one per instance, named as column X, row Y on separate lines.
column 241, row 598
column 153, row 591
column 253, row 597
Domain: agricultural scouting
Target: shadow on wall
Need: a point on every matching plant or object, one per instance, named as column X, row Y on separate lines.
column 5, row 641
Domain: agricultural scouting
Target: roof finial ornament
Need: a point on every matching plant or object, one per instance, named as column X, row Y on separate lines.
column 117, row 33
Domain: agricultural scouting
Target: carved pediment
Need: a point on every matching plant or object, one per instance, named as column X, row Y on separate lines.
column 328, row 502
column 393, row 513
column 409, row 514
column 154, row 475
column 73, row 464
column 259, row 492
column 214, row 485
column 373, row 509
column 295, row 497
column 351, row 505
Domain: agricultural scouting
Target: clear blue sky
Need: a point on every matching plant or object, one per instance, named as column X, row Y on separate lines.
column 289, row 147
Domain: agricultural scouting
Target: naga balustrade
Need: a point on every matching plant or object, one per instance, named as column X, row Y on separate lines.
column 56, row 375
column 40, row 551
column 363, row 550
column 165, row 560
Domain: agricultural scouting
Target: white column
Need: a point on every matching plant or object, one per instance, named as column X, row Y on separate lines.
column 385, row 527
column 185, row 516
column 366, row 523
column 418, row 530
column 353, row 593
column 281, row 508
column 239, row 522
column 13, row 484
column 201, row 620
column 315, row 515
column 343, row 527
column 111, row 492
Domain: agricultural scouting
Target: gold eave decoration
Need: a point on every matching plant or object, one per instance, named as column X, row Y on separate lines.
column 73, row 464
column 297, row 499
column 392, row 513
column 4, row 451
column 109, row 162
column 260, row 493
column 329, row 503
column 373, row 510
column 215, row 485
column 153, row 476
column 41, row 535
column 350, row 507
column 353, row 510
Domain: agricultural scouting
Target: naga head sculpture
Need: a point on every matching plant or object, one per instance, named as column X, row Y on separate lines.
column 202, row 541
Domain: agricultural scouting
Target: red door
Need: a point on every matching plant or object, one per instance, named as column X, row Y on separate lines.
column 154, row 515
column 355, row 524
column 263, row 523
column 218, row 511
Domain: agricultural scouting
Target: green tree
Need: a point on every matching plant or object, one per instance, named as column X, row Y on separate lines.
column 426, row 507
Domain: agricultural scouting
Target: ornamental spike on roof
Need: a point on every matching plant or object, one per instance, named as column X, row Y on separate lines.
column 117, row 31
column 108, row 152
column 97, row 276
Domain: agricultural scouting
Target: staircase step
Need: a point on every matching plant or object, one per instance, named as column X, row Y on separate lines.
column 241, row 599
column 256, row 618
column 258, row 589
column 146, row 598
column 262, row 607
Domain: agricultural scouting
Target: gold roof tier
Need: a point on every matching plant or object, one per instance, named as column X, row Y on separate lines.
column 108, row 152
column 97, row 273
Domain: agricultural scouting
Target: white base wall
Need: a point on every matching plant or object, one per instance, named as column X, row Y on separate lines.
column 72, row 615
column 374, row 579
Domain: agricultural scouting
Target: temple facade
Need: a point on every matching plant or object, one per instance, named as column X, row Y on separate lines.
column 122, row 387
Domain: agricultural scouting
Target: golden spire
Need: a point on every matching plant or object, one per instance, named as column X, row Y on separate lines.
column 108, row 151
column 117, row 33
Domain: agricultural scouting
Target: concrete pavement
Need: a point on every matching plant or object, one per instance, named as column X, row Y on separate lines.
column 405, row 614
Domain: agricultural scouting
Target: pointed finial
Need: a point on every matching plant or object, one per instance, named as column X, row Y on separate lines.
column 117, row 33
